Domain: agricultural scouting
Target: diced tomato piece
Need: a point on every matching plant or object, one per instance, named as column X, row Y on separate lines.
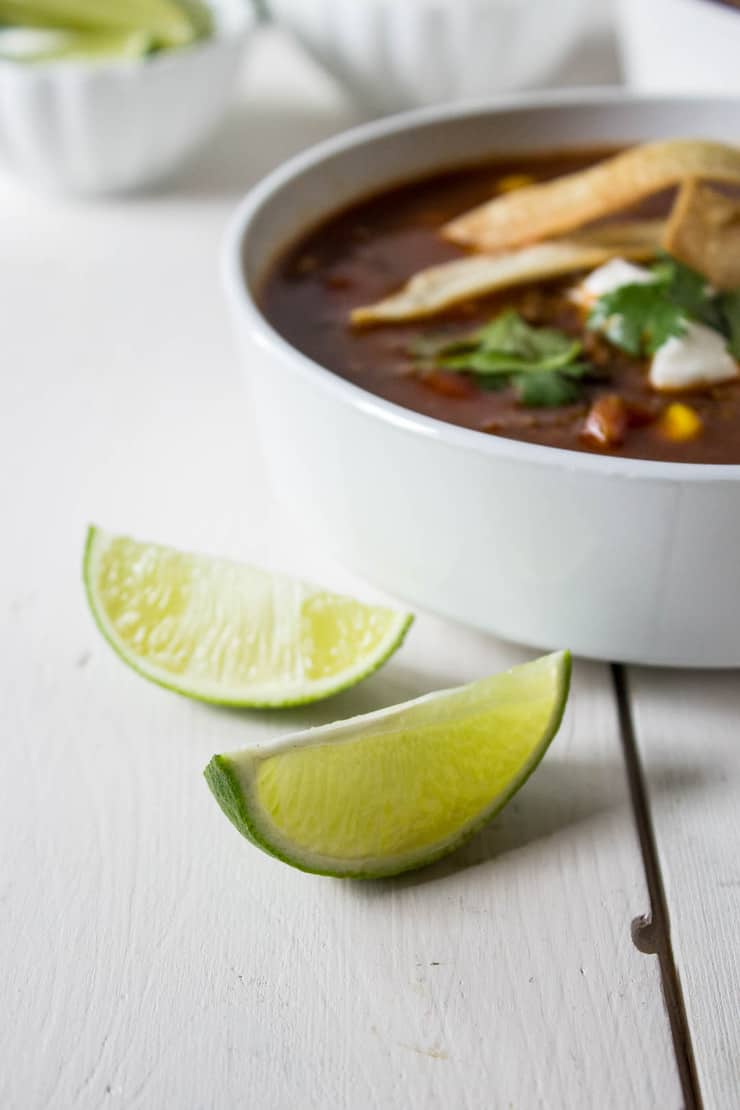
column 607, row 422
column 448, row 383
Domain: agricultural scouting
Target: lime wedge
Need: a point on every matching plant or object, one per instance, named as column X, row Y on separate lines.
column 229, row 633
column 394, row 790
column 168, row 22
column 28, row 44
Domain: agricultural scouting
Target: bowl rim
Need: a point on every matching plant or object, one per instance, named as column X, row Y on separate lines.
column 244, row 305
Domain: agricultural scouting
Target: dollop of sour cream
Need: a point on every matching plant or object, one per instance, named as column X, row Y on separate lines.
column 612, row 275
column 697, row 358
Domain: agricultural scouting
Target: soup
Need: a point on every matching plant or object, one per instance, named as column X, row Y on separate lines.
column 464, row 363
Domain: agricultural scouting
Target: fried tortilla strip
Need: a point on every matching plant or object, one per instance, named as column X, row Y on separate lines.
column 439, row 287
column 626, row 235
column 558, row 206
column 704, row 232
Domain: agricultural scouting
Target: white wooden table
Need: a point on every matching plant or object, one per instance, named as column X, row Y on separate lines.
column 148, row 957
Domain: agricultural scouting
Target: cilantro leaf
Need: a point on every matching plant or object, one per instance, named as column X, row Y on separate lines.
column 688, row 289
column 638, row 318
column 545, row 389
column 489, row 361
column 492, row 383
column 582, row 370
column 426, row 349
column 511, row 334
column 483, row 362
column 682, row 285
column 729, row 306
column 507, row 351
column 508, row 345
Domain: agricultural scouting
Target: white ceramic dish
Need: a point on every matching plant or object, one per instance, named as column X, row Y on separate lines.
column 100, row 127
column 393, row 55
column 615, row 558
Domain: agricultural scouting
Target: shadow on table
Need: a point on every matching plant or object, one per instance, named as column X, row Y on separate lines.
column 560, row 796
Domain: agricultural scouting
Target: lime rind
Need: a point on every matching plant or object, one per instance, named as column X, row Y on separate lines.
column 267, row 696
column 170, row 23
column 38, row 45
column 231, row 779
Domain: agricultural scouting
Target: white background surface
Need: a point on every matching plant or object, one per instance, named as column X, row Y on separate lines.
column 148, row 956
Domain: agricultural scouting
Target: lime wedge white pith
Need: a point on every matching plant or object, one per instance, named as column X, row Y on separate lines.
column 393, row 790
column 229, row 633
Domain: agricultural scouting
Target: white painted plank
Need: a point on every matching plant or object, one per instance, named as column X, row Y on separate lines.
column 156, row 956
column 688, row 733
column 148, row 956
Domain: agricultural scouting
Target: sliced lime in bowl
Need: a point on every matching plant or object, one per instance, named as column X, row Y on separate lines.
column 394, row 790
column 229, row 633
column 36, row 44
column 168, row 23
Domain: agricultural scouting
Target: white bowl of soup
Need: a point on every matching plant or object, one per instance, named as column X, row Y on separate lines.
column 504, row 503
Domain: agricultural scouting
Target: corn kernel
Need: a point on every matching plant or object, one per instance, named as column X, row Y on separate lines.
column 514, row 181
column 680, row 422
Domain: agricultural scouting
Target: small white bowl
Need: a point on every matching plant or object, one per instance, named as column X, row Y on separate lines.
column 394, row 54
column 90, row 127
column 615, row 558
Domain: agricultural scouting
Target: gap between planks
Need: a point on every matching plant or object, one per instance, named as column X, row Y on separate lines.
column 652, row 934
